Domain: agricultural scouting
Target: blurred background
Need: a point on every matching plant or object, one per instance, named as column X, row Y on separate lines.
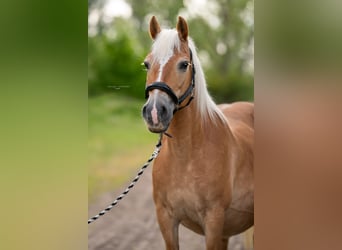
column 118, row 41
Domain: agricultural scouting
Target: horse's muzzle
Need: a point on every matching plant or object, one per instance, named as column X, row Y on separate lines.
column 158, row 112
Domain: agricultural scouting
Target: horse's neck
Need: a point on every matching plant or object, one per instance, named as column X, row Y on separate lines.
column 183, row 125
column 188, row 129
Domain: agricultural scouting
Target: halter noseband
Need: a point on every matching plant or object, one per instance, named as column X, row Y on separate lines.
column 165, row 88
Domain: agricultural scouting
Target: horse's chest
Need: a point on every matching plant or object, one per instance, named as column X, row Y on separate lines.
column 187, row 207
column 183, row 201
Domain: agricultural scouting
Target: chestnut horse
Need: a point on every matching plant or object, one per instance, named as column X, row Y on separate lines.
column 203, row 176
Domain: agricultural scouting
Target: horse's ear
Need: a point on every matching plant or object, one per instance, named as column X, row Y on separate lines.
column 182, row 28
column 154, row 28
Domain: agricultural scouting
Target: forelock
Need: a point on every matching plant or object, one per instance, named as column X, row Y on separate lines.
column 164, row 45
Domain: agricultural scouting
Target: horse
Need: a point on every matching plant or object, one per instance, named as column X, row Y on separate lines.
column 203, row 175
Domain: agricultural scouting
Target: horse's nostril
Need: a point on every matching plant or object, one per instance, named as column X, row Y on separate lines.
column 163, row 111
column 144, row 110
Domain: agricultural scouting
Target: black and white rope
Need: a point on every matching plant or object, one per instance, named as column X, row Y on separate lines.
column 135, row 180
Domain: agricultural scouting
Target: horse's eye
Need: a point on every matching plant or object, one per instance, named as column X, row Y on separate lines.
column 146, row 64
column 183, row 65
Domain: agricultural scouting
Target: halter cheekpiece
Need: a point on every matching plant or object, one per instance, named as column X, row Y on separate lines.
column 165, row 88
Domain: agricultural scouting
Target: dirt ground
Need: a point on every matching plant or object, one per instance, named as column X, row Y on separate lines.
column 132, row 224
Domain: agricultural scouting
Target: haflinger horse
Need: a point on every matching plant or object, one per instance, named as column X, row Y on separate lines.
column 203, row 176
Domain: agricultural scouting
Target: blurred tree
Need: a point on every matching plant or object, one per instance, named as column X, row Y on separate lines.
column 114, row 64
column 166, row 11
column 90, row 4
column 226, row 47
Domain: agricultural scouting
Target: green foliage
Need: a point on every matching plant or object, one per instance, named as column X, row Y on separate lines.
column 114, row 64
column 231, row 88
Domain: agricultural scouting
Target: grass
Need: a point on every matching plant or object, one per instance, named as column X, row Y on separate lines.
column 118, row 142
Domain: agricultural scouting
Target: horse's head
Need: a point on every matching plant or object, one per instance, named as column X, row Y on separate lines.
column 170, row 75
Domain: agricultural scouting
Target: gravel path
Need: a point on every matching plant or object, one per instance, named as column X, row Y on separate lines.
column 132, row 225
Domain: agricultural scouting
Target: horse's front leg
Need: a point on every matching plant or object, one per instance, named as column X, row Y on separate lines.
column 169, row 228
column 214, row 222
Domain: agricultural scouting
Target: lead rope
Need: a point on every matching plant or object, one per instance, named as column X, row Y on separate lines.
column 135, row 180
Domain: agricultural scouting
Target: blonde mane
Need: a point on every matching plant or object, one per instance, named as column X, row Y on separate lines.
column 163, row 49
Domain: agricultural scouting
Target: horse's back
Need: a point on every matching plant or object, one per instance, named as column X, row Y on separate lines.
column 238, row 112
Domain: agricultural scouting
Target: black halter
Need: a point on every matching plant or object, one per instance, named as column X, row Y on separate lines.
column 165, row 88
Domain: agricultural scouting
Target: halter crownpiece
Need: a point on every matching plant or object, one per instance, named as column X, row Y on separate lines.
column 165, row 88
